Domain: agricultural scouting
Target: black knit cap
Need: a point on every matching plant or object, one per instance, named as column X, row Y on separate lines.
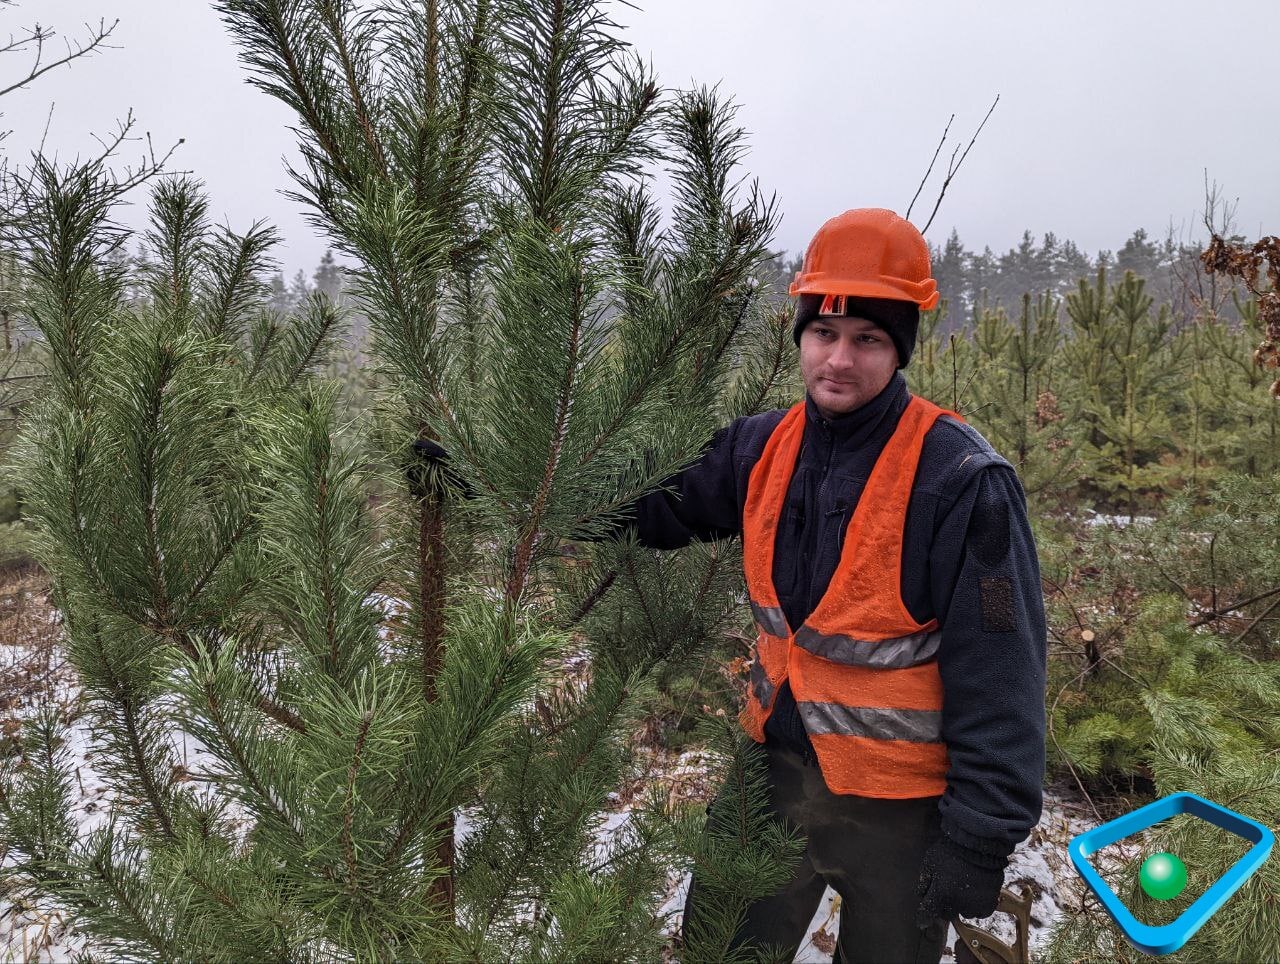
column 899, row 319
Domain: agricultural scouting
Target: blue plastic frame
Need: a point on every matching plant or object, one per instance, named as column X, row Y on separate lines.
column 1167, row 938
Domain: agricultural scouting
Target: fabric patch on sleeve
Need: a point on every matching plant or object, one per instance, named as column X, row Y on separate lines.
column 997, row 604
column 989, row 532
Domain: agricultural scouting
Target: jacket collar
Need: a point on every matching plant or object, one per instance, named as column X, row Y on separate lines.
column 854, row 428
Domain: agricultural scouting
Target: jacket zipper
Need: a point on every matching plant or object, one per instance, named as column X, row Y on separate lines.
column 811, row 602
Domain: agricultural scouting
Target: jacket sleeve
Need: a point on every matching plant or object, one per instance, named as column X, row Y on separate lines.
column 988, row 597
column 701, row 502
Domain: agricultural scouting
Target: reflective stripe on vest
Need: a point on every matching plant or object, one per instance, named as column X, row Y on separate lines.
column 917, row 726
column 885, row 653
column 864, row 673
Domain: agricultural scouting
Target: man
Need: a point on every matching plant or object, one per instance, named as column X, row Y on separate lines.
column 898, row 679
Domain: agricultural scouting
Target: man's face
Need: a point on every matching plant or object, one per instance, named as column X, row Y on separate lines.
column 845, row 362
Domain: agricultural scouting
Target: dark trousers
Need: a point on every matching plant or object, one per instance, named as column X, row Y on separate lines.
column 868, row 850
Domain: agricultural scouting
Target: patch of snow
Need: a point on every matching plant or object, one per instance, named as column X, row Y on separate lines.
column 1094, row 518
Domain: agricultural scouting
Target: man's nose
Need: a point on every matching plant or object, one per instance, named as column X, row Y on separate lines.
column 842, row 353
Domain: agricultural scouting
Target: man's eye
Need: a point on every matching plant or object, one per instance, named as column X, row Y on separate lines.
column 870, row 338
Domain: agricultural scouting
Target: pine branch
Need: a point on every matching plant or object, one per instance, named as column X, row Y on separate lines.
column 220, row 556
column 155, row 796
column 1253, row 623
column 558, row 789
column 149, row 485
column 281, row 714
column 335, row 19
column 348, row 845
column 236, row 267
column 432, row 58
column 208, row 680
column 469, row 91
column 178, row 236
column 773, row 366
column 589, row 603
column 272, row 36
column 310, row 339
column 431, row 589
column 629, row 564
column 524, row 548
column 107, row 874
column 264, row 340
column 483, row 696
column 119, row 701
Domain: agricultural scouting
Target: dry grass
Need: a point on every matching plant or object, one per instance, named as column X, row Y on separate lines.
column 30, row 657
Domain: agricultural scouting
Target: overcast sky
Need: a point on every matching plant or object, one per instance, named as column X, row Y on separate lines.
column 1109, row 115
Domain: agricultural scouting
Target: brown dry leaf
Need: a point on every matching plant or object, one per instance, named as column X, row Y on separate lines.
column 823, row 940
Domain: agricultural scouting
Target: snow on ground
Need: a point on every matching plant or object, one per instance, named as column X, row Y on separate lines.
column 34, row 672
column 1093, row 518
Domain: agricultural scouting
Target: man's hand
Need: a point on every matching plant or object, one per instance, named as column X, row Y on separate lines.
column 958, row 882
column 427, row 468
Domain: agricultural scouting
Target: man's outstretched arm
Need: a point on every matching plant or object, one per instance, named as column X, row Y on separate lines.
column 701, row 502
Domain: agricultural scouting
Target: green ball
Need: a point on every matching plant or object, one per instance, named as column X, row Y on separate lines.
column 1163, row 876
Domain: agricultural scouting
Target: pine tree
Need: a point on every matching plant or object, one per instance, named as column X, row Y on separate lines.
column 1016, row 405
column 20, row 378
column 399, row 765
column 1136, row 426
column 1087, row 352
column 949, row 265
column 327, row 278
column 1151, row 398
column 1245, row 435
column 19, row 354
column 281, row 300
column 944, row 367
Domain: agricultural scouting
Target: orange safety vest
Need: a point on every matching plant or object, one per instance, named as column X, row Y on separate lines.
column 863, row 672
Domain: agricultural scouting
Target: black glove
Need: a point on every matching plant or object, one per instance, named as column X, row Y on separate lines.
column 957, row 881
column 427, row 469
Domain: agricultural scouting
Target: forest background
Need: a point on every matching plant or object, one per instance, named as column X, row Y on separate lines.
column 1127, row 387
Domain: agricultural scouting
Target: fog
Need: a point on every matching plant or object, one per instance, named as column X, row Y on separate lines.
column 1110, row 115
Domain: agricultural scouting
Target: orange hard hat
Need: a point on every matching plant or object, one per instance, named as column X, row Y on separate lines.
column 868, row 253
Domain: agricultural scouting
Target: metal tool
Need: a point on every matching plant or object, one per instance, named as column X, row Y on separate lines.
column 977, row 946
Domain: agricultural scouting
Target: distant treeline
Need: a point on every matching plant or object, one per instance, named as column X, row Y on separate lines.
column 970, row 281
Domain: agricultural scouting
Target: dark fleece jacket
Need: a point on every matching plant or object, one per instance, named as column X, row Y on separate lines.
column 968, row 559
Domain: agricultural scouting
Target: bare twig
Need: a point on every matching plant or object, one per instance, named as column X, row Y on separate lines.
column 20, row 188
column 1214, row 614
column 929, row 170
column 39, row 35
column 1261, row 616
column 1213, row 574
column 953, row 166
column 1065, row 757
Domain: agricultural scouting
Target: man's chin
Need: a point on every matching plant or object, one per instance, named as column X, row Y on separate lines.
column 836, row 403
